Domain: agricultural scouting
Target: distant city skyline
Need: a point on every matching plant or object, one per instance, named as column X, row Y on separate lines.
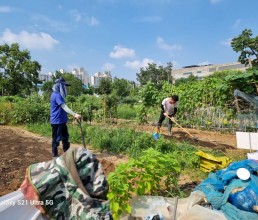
column 80, row 73
column 122, row 36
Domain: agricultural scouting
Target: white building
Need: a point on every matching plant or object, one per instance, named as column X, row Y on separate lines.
column 81, row 74
column 205, row 70
column 46, row 77
column 96, row 78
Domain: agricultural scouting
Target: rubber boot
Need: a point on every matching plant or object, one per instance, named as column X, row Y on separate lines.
column 169, row 129
column 66, row 146
column 54, row 150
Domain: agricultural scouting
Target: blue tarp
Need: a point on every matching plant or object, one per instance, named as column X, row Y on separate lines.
column 218, row 189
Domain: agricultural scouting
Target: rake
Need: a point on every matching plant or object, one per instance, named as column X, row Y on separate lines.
column 183, row 129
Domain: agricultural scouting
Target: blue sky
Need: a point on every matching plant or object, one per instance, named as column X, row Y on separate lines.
column 124, row 35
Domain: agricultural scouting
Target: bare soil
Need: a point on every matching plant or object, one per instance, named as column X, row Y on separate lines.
column 20, row 148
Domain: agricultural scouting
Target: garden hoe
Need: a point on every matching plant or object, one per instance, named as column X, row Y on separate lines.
column 173, row 120
column 82, row 133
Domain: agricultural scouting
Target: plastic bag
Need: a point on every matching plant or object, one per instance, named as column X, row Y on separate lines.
column 245, row 199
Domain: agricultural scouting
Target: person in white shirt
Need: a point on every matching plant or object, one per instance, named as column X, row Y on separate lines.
column 168, row 108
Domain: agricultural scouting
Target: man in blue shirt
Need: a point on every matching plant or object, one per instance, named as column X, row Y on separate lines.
column 58, row 116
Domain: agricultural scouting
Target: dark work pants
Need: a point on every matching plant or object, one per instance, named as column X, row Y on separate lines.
column 162, row 117
column 59, row 133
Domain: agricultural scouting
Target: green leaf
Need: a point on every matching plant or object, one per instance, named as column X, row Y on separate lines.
column 114, row 206
column 110, row 196
column 127, row 208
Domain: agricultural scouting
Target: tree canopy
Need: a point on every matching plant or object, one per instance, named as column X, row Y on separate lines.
column 121, row 87
column 155, row 74
column 191, row 78
column 18, row 73
column 105, row 86
column 247, row 46
column 75, row 89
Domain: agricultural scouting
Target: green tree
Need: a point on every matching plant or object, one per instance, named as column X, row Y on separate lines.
column 75, row 89
column 47, row 87
column 190, row 78
column 246, row 82
column 155, row 74
column 105, row 86
column 90, row 90
column 149, row 95
column 121, row 87
column 18, row 73
column 247, row 46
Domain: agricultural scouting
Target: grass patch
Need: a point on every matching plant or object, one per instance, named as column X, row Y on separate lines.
column 124, row 141
column 45, row 129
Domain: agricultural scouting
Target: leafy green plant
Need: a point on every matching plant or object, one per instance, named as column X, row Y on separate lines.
column 144, row 176
column 126, row 111
column 30, row 110
column 5, row 112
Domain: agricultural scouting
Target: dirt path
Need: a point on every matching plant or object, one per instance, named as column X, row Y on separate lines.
column 210, row 139
column 20, row 148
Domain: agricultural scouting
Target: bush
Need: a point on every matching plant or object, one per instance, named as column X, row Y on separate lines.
column 142, row 176
column 15, row 110
column 31, row 110
column 126, row 111
column 5, row 112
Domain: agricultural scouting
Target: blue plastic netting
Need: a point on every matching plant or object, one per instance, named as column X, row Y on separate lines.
column 234, row 197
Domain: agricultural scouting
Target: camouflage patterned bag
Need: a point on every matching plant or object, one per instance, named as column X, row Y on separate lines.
column 72, row 187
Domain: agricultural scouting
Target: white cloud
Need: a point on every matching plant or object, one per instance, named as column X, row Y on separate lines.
column 137, row 64
column 39, row 41
column 5, row 9
column 226, row 42
column 108, row 66
column 215, row 1
column 237, row 23
column 204, row 63
column 150, row 19
column 164, row 46
column 121, row 52
column 81, row 17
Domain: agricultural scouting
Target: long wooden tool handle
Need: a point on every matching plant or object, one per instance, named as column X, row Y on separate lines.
column 82, row 135
column 172, row 119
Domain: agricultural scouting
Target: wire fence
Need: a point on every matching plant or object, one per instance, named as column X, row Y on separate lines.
column 216, row 119
column 219, row 120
